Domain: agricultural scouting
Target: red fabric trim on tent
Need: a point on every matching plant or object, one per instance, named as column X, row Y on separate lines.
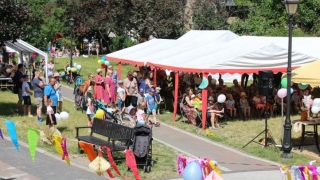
column 133, row 62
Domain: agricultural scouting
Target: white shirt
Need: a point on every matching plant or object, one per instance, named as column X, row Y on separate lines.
column 121, row 92
column 140, row 114
column 24, row 86
column 88, row 108
column 50, row 110
column 230, row 103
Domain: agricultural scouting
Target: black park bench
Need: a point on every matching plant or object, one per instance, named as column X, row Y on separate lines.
column 112, row 131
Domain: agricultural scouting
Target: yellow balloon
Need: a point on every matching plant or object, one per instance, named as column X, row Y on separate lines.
column 99, row 61
column 100, row 114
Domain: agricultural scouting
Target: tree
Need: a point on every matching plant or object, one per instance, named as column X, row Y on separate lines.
column 209, row 15
column 14, row 15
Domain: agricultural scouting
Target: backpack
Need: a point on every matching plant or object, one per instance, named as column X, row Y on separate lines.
column 143, row 86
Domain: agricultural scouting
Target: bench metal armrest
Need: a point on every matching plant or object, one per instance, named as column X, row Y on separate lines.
column 81, row 127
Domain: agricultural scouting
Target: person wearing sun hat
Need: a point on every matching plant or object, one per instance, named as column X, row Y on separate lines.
column 244, row 105
column 57, row 87
column 99, row 86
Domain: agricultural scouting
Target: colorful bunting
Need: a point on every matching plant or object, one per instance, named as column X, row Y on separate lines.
column 33, row 138
column 65, row 155
column 88, row 149
column 12, row 133
column 1, row 134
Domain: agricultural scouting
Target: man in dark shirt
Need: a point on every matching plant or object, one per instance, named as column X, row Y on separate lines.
column 38, row 87
column 18, row 80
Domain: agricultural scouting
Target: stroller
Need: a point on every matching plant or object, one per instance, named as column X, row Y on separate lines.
column 78, row 92
column 114, row 116
column 142, row 146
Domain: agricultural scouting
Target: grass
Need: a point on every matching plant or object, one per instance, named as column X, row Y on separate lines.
column 237, row 133
column 164, row 156
column 89, row 65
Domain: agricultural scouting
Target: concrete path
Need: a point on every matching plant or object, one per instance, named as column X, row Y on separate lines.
column 18, row 165
column 229, row 159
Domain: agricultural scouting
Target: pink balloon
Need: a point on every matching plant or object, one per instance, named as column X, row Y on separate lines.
column 282, row 93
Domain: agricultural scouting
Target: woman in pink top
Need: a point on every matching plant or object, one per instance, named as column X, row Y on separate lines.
column 99, row 86
column 109, row 92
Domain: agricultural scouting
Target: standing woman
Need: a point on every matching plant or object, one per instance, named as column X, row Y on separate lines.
column 97, row 49
column 99, row 86
column 131, row 88
column 50, row 69
column 109, row 93
column 57, row 87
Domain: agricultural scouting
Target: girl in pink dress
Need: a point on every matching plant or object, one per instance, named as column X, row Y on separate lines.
column 109, row 93
column 99, row 86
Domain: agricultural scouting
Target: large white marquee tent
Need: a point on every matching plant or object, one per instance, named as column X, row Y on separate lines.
column 219, row 52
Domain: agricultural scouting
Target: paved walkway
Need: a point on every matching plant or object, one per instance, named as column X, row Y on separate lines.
column 229, row 159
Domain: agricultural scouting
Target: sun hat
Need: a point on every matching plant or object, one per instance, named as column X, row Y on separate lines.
column 99, row 70
column 56, row 74
column 210, row 98
column 243, row 94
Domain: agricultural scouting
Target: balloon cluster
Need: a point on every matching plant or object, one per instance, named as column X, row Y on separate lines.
column 103, row 62
column 62, row 116
column 316, row 106
column 283, row 92
column 35, row 56
column 76, row 67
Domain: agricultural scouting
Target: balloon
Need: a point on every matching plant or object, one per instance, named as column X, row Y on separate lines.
column 100, row 114
column 8, row 70
column 316, row 102
column 221, row 98
column 34, row 56
column 106, row 63
column 204, row 83
column 38, row 59
column 99, row 61
column 291, row 90
column 103, row 58
column 315, row 109
column 79, row 66
column 75, row 64
column 68, row 68
column 284, row 82
column 103, row 66
column 58, row 117
column 192, row 172
column 73, row 69
column 64, row 115
column 282, row 93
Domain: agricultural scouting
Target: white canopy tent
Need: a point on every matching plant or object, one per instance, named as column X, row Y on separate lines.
column 10, row 50
column 23, row 47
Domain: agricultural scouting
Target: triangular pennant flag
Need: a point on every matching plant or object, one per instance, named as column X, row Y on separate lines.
column 57, row 144
column 65, row 155
column 33, row 138
column 1, row 134
column 12, row 133
column 88, row 149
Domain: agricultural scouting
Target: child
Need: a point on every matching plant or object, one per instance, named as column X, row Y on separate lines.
column 213, row 112
column 140, row 114
column 158, row 100
column 51, row 118
column 192, row 98
column 26, row 96
column 244, row 104
column 90, row 111
column 141, row 97
column 307, row 101
column 151, row 107
column 230, row 106
column 121, row 96
column 296, row 100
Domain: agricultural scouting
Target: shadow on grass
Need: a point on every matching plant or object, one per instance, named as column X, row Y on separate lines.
column 62, row 128
column 8, row 109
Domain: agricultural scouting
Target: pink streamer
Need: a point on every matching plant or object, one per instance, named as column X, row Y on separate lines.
column 301, row 168
column 313, row 169
column 64, row 148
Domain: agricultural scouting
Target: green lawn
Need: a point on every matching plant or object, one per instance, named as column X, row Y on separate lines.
column 89, row 65
column 165, row 156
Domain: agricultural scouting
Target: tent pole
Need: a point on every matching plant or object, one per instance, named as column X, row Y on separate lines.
column 204, row 103
column 155, row 77
column 176, row 90
column 119, row 70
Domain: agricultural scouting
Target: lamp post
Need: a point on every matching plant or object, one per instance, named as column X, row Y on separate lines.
column 71, row 23
column 291, row 8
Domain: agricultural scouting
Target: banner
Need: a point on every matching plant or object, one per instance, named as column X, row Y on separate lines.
column 33, row 138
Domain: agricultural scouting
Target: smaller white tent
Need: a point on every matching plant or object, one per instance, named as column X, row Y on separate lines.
column 10, row 50
column 23, row 47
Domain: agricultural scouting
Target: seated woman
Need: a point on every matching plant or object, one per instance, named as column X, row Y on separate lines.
column 188, row 107
column 307, row 101
column 244, row 105
column 258, row 103
column 213, row 112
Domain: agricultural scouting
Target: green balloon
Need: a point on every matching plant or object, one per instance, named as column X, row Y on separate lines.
column 284, row 82
column 38, row 59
